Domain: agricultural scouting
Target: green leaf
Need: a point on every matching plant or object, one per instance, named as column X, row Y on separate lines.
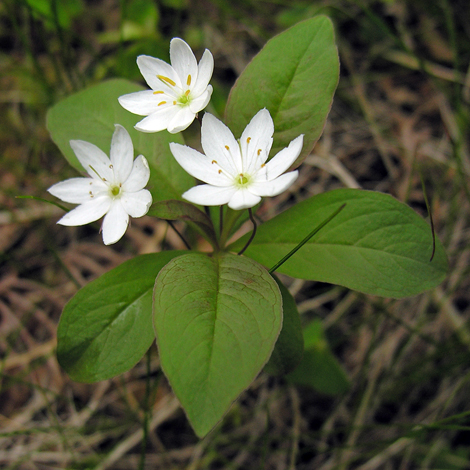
column 294, row 76
column 181, row 210
column 216, row 320
column 376, row 244
column 289, row 346
column 106, row 327
column 90, row 115
column 319, row 369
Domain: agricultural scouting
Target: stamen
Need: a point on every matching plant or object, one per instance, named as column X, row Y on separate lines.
column 167, row 80
column 188, row 81
column 259, row 151
column 161, row 102
column 187, row 92
column 263, row 165
column 214, row 161
column 248, row 140
column 220, row 171
column 174, row 102
column 227, row 147
column 158, row 92
column 111, row 166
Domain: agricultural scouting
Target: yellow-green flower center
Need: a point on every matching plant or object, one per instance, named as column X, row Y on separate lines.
column 241, row 180
column 185, row 99
column 115, row 190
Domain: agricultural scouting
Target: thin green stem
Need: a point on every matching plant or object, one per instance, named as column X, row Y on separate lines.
column 307, row 238
column 172, row 225
column 253, row 233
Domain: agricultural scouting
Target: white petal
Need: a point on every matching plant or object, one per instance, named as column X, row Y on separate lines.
column 150, row 68
column 181, row 120
column 199, row 166
column 183, row 61
column 215, row 138
column 115, row 223
column 121, row 153
column 275, row 186
column 87, row 212
column 208, row 195
column 77, row 190
column 243, row 199
column 142, row 103
column 284, row 159
column 256, row 141
column 94, row 160
column 157, row 121
column 205, row 69
column 137, row 204
column 199, row 103
column 139, row 176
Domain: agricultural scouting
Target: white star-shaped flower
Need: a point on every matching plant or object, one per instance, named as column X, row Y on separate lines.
column 236, row 172
column 179, row 91
column 114, row 188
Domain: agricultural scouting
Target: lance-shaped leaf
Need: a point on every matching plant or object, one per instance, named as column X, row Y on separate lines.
column 181, row 210
column 319, row 368
column 376, row 244
column 216, row 320
column 289, row 347
column 106, row 327
column 294, row 76
column 90, row 115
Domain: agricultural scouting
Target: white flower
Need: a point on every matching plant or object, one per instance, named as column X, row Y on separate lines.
column 236, row 171
column 115, row 186
column 179, row 91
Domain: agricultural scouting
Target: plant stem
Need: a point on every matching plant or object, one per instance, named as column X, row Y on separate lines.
column 253, row 233
column 172, row 225
column 306, row 239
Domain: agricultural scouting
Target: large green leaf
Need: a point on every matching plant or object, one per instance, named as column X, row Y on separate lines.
column 319, row 368
column 107, row 326
column 294, row 76
column 375, row 245
column 216, row 320
column 90, row 115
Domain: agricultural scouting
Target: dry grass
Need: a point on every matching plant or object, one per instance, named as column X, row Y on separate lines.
column 408, row 360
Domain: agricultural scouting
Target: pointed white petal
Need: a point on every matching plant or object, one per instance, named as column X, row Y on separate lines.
column 220, row 145
column 87, row 212
column 205, row 69
column 199, row 166
column 90, row 156
column 139, row 176
column 199, row 103
column 183, row 61
column 157, row 121
column 275, row 186
column 208, row 195
column 121, row 153
column 181, row 120
column 77, row 190
column 151, row 68
column 137, row 204
column 142, row 103
column 256, row 141
column 115, row 223
column 284, row 159
column 243, row 199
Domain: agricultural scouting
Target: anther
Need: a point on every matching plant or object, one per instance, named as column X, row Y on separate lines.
column 214, row 161
column 227, row 147
column 263, row 165
column 164, row 102
column 220, row 171
column 158, row 92
column 248, row 140
column 188, row 81
column 187, row 92
column 174, row 102
column 259, row 151
column 166, row 80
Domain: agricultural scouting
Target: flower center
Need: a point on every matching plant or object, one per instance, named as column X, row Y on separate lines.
column 185, row 99
column 242, row 181
column 115, row 190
